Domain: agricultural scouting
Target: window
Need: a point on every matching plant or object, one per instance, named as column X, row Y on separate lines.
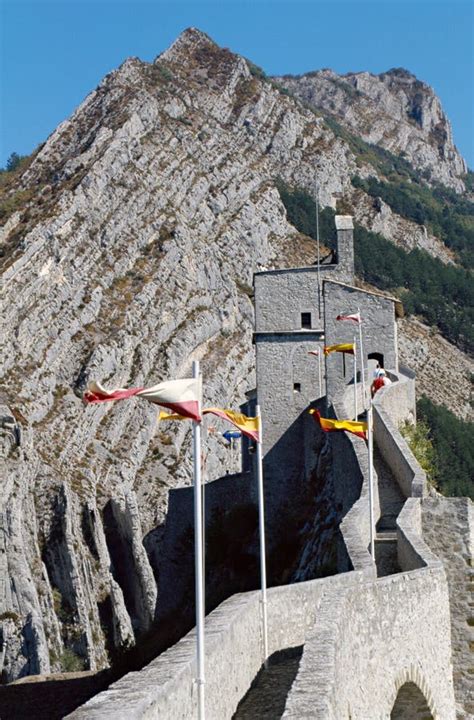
column 306, row 320
column 296, row 387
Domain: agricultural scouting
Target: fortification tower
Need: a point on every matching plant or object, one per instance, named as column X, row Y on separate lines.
column 289, row 323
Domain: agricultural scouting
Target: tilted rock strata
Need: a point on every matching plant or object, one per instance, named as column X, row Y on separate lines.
column 158, row 204
column 146, row 215
column 393, row 110
column 443, row 373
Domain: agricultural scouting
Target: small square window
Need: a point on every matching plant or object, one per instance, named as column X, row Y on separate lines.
column 306, row 320
column 296, row 387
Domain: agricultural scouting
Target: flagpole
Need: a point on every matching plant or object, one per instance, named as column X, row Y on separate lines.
column 371, row 477
column 261, row 521
column 362, row 362
column 316, row 192
column 355, row 380
column 198, row 559
column 320, row 375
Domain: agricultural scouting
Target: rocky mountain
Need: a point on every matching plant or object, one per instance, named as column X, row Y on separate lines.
column 128, row 246
column 394, row 110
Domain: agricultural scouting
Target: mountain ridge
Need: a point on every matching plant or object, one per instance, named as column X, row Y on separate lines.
column 128, row 249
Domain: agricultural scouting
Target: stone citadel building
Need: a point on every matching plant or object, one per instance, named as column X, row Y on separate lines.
column 388, row 639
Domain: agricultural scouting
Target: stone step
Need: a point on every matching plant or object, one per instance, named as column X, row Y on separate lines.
column 386, row 537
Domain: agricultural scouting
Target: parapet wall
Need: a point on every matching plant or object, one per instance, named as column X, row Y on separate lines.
column 351, row 480
column 363, row 638
column 393, row 405
column 165, row 688
column 367, row 642
column 397, row 629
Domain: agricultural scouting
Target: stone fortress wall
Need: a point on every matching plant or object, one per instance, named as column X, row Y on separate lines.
column 372, row 646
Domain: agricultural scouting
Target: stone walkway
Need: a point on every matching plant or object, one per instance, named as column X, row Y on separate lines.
column 267, row 695
column 391, row 502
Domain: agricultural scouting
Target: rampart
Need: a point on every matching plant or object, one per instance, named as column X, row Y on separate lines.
column 365, row 639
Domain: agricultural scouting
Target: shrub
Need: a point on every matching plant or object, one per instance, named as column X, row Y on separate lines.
column 71, row 661
column 417, row 437
column 453, row 444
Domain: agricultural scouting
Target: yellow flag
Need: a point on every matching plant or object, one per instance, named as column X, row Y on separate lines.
column 249, row 426
column 342, row 347
column 353, row 426
column 162, row 415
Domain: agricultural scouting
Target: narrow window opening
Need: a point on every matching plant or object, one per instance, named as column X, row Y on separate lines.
column 306, row 320
column 297, row 387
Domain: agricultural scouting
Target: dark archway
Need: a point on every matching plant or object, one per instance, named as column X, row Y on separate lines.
column 410, row 704
column 377, row 357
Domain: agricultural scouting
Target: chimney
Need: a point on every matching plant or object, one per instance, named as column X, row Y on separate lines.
column 345, row 248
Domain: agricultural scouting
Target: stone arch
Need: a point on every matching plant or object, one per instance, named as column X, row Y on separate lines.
column 374, row 359
column 412, row 699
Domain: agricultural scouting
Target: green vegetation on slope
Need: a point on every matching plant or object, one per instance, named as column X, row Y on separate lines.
column 449, row 216
column 14, row 162
column 443, row 295
column 301, row 213
column 421, row 445
column 453, row 444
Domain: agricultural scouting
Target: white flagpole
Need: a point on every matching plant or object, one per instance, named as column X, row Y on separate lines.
column 261, row 522
column 366, row 400
column 316, row 193
column 198, row 559
column 320, row 375
column 371, row 477
column 355, row 380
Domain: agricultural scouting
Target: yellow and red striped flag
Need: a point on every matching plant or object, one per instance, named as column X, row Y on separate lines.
column 342, row 347
column 248, row 426
column 353, row 426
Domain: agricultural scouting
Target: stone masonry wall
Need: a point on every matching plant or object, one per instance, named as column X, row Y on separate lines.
column 368, row 642
column 368, row 637
column 448, row 528
column 392, row 406
column 379, row 331
column 165, row 688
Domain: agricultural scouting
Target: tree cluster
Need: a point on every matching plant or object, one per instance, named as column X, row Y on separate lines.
column 448, row 215
column 453, row 444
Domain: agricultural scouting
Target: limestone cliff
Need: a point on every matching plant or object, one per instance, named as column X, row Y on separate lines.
column 394, row 110
column 128, row 248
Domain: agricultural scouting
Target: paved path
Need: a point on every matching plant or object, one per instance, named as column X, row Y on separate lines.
column 391, row 502
column 267, row 695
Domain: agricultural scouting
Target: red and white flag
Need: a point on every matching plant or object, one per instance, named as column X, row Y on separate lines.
column 180, row 396
column 355, row 317
column 313, row 352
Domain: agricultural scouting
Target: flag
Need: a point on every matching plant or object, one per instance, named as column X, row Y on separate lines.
column 353, row 426
column 249, row 426
column 342, row 347
column 180, row 396
column 313, row 352
column 355, row 317
column 162, row 415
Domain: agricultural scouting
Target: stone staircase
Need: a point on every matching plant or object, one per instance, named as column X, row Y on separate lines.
column 391, row 502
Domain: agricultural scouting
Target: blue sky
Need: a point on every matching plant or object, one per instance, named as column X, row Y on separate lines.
column 53, row 53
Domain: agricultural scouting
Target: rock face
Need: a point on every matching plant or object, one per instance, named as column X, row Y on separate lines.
column 150, row 210
column 128, row 250
column 432, row 358
column 394, row 110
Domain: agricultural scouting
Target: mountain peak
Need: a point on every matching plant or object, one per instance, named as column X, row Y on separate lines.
column 186, row 44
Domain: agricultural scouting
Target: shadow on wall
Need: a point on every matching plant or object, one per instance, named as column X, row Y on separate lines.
column 410, row 704
column 302, row 516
